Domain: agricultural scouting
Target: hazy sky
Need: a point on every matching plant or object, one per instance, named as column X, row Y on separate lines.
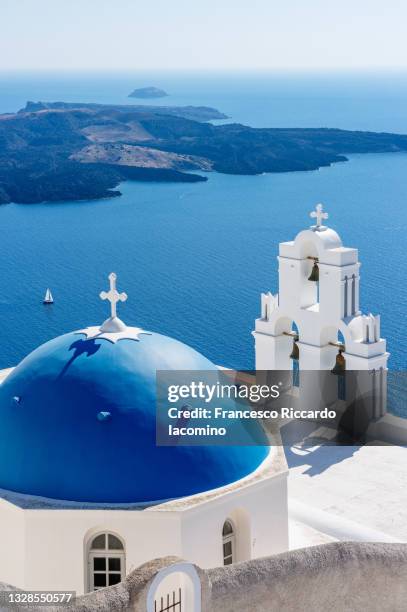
column 176, row 34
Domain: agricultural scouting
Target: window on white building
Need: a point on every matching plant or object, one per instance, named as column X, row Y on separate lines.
column 106, row 561
column 229, row 542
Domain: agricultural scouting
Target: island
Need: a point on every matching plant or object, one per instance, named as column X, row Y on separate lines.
column 196, row 113
column 55, row 151
column 148, row 92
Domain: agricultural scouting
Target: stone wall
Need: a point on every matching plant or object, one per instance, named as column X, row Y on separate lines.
column 340, row 577
column 337, row 577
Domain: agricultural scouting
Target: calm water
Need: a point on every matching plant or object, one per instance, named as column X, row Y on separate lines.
column 194, row 258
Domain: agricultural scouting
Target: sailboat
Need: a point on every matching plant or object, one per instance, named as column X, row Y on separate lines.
column 48, row 299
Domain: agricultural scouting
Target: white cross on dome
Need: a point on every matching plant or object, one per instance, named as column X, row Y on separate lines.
column 113, row 329
column 113, row 295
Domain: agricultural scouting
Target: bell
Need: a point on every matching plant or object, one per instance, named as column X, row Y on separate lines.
column 295, row 353
column 314, row 276
column 340, row 364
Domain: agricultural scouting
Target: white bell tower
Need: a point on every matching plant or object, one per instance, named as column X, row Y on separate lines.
column 324, row 311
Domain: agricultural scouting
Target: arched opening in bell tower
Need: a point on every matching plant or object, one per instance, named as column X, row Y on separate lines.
column 340, row 367
column 295, row 357
column 286, row 349
column 309, row 281
column 333, row 347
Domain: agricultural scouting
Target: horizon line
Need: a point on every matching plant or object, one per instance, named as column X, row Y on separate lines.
column 297, row 69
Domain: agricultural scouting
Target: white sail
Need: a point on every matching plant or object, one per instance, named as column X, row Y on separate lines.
column 48, row 299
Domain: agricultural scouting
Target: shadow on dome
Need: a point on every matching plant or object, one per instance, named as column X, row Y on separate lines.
column 80, row 347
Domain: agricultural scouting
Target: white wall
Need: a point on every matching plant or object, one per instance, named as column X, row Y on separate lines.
column 49, row 546
column 12, row 543
column 56, row 556
column 259, row 514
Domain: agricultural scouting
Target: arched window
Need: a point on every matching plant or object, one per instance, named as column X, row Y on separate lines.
column 106, row 561
column 229, row 542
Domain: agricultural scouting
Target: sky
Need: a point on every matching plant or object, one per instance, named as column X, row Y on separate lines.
column 202, row 34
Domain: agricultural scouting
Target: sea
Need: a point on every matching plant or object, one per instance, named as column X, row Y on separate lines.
column 194, row 258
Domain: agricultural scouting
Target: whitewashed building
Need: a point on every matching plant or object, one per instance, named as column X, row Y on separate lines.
column 86, row 495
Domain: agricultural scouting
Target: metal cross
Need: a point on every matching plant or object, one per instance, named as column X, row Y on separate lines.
column 113, row 295
column 318, row 214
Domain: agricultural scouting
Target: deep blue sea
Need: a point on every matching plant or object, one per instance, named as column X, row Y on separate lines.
column 194, row 258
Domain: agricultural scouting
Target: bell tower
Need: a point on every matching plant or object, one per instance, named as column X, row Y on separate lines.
column 316, row 315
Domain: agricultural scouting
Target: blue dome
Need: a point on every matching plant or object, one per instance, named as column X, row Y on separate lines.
column 54, row 442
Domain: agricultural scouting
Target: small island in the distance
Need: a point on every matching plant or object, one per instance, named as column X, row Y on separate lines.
column 59, row 151
column 148, row 92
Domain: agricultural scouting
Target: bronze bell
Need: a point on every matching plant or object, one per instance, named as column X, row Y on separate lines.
column 340, row 364
column 295, row 353
column 314, row 276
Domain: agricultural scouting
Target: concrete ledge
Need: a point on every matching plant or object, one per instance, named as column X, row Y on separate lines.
column 336, row 526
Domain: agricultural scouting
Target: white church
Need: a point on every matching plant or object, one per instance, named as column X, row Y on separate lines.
column 86, row 495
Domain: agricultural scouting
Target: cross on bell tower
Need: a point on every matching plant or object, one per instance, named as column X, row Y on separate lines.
column 319, row 215
column 113, row 323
